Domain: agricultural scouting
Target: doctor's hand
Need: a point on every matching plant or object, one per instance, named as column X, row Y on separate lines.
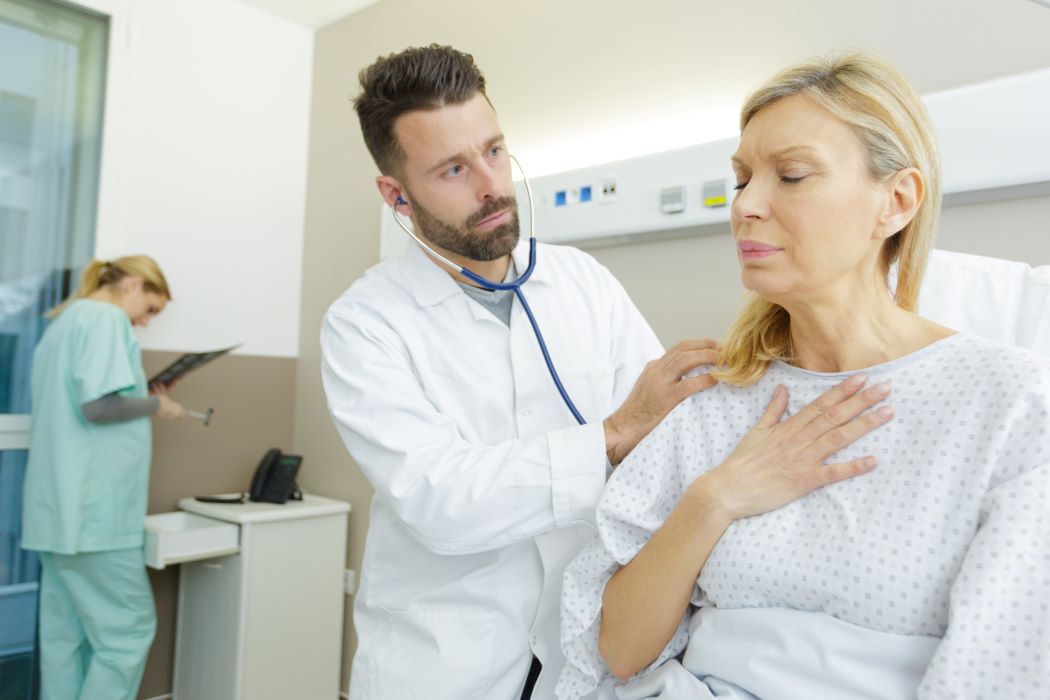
column 169, row 409
column 780, row 461
column 661, row 386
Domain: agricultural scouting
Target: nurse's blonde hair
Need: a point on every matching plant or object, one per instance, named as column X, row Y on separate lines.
column 887, row 115
column 105, row 273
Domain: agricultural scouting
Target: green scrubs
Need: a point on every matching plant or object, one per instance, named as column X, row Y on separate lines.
column 96, row 624
column 84, row 504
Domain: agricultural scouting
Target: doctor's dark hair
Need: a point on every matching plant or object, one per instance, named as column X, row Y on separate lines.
column 888, row 116
column 424, row 78
column 105, row 273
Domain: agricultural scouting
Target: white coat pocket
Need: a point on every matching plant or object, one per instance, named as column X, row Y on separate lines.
column 405, row 668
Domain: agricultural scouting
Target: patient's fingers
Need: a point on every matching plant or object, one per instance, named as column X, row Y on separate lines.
column 830, row 473
column 825, row 402
column 843, row 412
column 775, row 409
column 834, row 440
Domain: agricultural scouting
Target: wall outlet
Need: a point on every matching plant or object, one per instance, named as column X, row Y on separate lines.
column 350, row 581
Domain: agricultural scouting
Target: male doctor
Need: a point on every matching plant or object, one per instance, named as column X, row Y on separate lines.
column 485, row 484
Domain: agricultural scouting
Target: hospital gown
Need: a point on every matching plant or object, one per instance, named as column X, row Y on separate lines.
column 947, row 540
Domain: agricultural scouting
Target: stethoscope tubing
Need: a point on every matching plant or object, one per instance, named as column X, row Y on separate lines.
column 514, row 286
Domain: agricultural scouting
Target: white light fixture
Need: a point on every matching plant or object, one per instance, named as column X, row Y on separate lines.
column 1044, row 3
column 579, row 146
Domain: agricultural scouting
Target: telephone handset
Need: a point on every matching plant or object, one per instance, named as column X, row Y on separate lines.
column 273, row 481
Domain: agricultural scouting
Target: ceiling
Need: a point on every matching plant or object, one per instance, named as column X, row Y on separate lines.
column 599, row 80
column 311, row 13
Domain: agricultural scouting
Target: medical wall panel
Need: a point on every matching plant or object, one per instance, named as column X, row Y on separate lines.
column 992, row 136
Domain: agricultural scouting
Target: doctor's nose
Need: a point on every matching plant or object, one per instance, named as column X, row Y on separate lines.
column 490, row 183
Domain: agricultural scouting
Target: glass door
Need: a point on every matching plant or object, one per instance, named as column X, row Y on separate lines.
column 52, row 79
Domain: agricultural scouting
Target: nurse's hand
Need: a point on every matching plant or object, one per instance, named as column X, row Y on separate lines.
column 169, row 409
column 661, row 386
column 780, row 461
column 157, row 389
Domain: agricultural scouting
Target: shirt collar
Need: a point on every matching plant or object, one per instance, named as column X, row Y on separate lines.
column 431, row 285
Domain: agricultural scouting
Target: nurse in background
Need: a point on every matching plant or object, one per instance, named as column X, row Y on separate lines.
column 86, row 482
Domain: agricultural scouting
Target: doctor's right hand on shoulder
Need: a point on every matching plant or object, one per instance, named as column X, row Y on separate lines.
column 168, row 408
column 662, row 385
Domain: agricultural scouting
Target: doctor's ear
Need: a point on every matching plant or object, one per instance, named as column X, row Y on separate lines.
column 392, row 192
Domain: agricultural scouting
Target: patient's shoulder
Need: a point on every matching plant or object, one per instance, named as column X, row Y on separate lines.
column 1007, row 366
column 699, row 425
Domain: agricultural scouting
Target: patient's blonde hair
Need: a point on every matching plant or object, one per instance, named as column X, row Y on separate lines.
column 886, row 113
column 103, row 273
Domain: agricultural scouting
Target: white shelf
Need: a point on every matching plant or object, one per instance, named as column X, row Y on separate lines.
column 251, row 512
column 174, row 538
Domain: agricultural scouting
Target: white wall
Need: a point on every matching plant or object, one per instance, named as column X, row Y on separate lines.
column 204, row 166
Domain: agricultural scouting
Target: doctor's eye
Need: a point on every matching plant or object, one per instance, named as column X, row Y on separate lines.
column 496, row 150
column 454, row 170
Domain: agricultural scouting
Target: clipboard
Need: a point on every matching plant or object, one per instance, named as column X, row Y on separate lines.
column 186, row 363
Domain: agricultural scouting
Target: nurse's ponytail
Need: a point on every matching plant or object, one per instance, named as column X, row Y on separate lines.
column 890, row 119
column 104, row 273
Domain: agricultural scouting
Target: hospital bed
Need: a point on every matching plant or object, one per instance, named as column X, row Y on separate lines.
column 998, row 299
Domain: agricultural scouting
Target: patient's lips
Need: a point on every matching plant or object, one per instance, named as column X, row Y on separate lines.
column 753, row 250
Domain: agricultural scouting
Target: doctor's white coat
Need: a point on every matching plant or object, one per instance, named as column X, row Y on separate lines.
column 485, row 487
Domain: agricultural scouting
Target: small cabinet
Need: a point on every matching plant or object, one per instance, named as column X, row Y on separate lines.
column 265, row 623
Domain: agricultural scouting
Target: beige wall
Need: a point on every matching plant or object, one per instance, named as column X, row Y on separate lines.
column 253, row 402
column 559, row 73
column 1016, row 230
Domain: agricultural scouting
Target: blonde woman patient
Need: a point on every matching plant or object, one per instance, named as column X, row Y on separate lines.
column 923, row 569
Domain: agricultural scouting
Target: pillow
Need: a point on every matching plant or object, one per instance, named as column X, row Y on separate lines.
column 998, row 299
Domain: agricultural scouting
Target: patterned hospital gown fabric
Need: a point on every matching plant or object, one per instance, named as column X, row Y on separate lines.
column 949, row 536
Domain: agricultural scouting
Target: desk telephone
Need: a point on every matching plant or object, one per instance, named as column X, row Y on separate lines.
column 273, row 481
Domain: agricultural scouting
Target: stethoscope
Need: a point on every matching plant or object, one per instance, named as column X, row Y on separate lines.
column 514, row 286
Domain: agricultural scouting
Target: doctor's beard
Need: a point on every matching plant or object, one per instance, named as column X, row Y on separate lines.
column 483, row 246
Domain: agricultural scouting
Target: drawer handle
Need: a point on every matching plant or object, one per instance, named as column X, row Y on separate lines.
column 214, row 567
